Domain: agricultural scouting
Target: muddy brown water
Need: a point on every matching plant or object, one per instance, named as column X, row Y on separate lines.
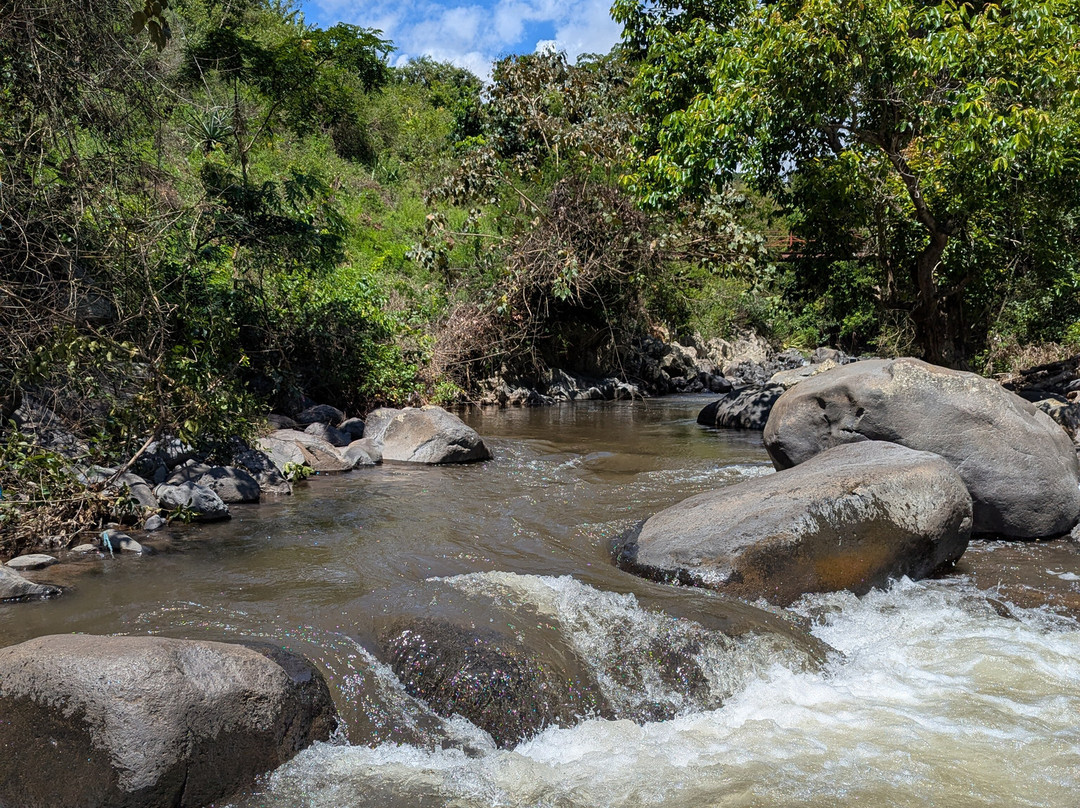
column 959, row 691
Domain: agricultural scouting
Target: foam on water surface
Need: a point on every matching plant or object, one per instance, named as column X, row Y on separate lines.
column 935, row 698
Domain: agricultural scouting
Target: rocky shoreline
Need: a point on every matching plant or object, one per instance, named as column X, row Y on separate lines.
column 886, row 468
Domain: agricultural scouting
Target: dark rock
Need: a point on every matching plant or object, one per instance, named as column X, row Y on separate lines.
column 261, row 467
column 231, row 484
column 1065, row 413
column 425, row 435
column 742, row 408
column 1020, row 467
column 204, row 504
column 127, row 722
column 168, row 451
column 188, row 472
column 354, row 427
column 849, row 518
column 281, row 421
column 14, row 587
column 320, row 414
column 332, row 435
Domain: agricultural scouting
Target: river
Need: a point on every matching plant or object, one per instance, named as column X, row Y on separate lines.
column 934, row 693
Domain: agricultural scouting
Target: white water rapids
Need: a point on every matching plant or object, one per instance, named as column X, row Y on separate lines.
column 936, row 698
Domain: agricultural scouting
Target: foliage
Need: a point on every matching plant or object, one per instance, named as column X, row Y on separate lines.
column 934, row 142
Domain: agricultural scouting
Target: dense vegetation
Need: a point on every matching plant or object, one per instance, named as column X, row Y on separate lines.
column 210, row 208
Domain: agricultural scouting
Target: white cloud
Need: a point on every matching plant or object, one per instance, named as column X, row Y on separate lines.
column 472, row 35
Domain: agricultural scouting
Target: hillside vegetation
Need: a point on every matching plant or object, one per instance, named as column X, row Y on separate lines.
column 210, row 210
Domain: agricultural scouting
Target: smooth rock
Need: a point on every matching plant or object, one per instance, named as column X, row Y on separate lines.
column 849, row 518
column 136, row 489
column 83, row 549
column 127, row 722
column 320, row 413
column 426, row 435
column 231, row 484
column 317, row 453
column 1020, row 467
column 332, row 435
column 742, row 408
column 32, row 561
column 155, row 522
column 363, row 452
column 789, row 378
column 14, row 587
column 204, row 504
column 282, row 452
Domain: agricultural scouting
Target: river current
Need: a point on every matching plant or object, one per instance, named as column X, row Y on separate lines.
column 929, row 693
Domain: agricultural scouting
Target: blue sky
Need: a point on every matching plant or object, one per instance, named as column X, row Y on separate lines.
column 471, row 33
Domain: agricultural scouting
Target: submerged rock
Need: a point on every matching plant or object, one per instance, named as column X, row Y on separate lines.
column 126, row 722
column 425, row 435
column 849, row 518
column 516, row 654
column 1020, row 467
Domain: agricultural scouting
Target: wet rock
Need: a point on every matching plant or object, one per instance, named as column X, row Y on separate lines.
column 363, row 452
column 849, row 518
column 149, row 721
column 262, row 469
column 320, row 414
column 15, row 587
column 1020, row 467
column 742, row 408
column 332, row 435
column 203, row 503
column 112, row 541
column 315, row 452
column 32, row 561
column 426, row 435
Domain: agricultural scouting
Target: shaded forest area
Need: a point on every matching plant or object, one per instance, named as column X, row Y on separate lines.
column 209, row 210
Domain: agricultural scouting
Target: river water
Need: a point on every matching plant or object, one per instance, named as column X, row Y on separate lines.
column 930, row 693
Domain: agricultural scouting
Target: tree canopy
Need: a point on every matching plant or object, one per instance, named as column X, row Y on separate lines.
column 935, row 142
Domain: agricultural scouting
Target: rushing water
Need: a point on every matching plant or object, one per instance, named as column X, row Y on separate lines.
column 936, row 693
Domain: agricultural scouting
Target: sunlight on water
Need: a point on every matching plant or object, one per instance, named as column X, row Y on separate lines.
column 935, row 698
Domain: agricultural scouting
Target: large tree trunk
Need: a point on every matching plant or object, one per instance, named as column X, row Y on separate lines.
column 937, row 329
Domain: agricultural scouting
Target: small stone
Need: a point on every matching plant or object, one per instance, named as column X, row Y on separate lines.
column 33, row 561
column 83, row 549
column 155, row 522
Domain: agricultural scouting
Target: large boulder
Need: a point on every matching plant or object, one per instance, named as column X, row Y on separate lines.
column 425, row 435
column 262, row 468
column 743, row 408
column 15, row 587
column 127, row 722
column 1020, row 467
column 849, row 518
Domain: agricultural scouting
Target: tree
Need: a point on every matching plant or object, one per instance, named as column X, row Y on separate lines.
column 945, row 131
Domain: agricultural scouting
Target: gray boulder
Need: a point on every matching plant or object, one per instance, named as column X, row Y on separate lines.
column 126, row 722
column 849, row 518
column 1020, row 467
column 231, row 484
column 15, row 587
column 320, row 414
column 332, row 435
column 262, row 468
column 425, row 435
column 363, row 452
column 314, row 451
column 742, row 408
column 204, row 504
column 136, row 490
column 281, row 451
